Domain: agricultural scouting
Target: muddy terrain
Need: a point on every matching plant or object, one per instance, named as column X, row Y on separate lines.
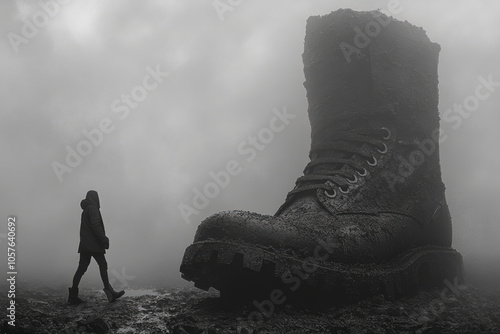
column 453, row 309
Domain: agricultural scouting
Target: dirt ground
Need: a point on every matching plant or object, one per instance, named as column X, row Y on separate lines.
column 453, row 309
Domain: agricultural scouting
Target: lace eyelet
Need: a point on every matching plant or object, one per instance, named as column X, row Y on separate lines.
column 373, row 162
column 388, row 135
column 329, row 195
column 344, row 191
column 354, row 180
column 384, row 150
column 365, row 172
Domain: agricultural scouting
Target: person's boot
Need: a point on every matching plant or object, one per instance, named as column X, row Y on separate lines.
column 73, row 298
column 369, row 216
column 111, row 294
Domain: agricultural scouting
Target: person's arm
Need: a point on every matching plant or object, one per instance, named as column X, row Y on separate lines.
column 97, row 226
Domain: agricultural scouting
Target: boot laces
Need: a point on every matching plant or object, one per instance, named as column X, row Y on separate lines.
column 327, row 170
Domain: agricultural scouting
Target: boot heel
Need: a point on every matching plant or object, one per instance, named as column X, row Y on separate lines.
column 424, row 268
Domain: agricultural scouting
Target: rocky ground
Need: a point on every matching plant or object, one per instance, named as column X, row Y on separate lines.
column 454, row 309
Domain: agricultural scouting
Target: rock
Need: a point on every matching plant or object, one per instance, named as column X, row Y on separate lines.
column 96, row 325
column 69, row 330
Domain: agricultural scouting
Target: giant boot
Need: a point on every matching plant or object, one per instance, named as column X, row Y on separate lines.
column 369, row 215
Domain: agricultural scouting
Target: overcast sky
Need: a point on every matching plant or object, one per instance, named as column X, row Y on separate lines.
column 229, row 73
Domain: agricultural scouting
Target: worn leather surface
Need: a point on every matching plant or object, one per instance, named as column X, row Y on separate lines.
column 391, row 83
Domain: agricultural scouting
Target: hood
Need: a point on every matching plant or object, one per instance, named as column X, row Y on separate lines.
column 92, row 198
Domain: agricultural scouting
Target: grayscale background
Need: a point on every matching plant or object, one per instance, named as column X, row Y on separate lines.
column 225, row 78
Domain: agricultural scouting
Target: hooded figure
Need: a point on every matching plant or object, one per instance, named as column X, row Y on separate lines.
column 92, row 234
column 93, row 243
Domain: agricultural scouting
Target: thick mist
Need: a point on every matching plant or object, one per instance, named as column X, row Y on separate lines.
column 161, row 96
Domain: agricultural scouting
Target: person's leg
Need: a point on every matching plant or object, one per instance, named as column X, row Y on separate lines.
column 103, row 268
column 82, row 268
column 111, row 294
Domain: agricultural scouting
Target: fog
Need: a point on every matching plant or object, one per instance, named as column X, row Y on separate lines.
column 229, row 73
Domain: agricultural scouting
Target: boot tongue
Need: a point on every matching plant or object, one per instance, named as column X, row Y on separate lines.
column 339, row 125
column 359, row 123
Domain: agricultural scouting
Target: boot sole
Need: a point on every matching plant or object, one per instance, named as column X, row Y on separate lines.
column 243, row 272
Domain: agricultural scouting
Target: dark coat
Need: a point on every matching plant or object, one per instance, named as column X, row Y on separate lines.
column 92, row 235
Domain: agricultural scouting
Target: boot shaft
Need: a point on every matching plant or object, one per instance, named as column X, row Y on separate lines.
column 360, row 62
column 375, row 78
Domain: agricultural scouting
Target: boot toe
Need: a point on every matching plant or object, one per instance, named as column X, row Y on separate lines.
column 248, row 228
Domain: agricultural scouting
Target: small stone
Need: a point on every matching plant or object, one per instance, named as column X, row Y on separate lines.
column 97, row 325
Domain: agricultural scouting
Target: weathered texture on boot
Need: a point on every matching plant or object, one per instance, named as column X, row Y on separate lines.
column 371, row 200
